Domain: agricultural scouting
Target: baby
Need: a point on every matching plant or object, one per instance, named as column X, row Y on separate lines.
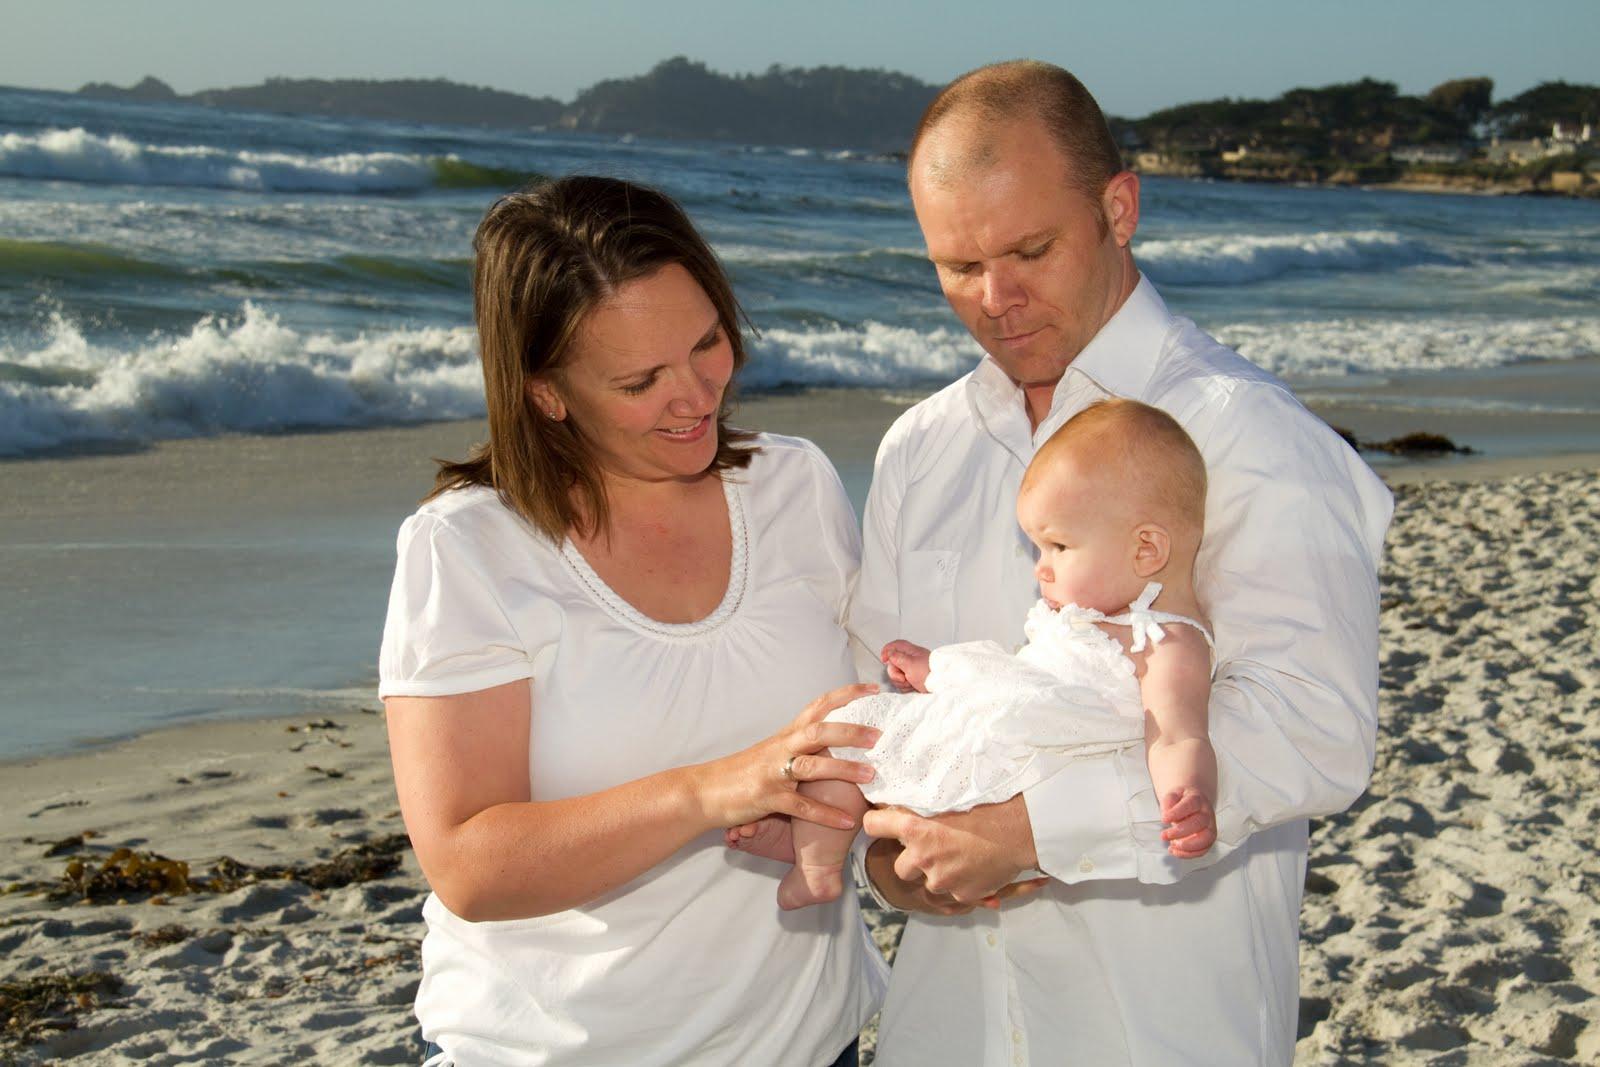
column 1114, row 502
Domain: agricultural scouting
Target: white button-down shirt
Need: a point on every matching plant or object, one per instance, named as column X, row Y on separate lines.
column 1131, row 956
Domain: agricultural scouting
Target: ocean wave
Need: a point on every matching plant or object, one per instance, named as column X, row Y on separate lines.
column 30, row 260
column 248, row 374
column 765, row 255
column 1342, row 347
column 80, row 156
column 873, row 354
column 253, row 374
column 1243, row 259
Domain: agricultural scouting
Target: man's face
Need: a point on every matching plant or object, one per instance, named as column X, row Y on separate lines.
column 1031, row 265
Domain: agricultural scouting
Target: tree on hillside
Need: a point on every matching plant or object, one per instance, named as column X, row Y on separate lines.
column 1532, row 113
column 1466, row 100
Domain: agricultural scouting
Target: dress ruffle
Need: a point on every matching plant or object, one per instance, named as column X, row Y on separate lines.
column 992, row 723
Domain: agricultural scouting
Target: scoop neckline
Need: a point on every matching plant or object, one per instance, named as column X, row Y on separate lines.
column 625, row 613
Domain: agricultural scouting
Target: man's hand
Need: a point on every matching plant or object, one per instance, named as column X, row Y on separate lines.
column 966, row 856
column 907, row 896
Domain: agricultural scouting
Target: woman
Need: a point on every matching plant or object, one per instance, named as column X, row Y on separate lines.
column 587, row 615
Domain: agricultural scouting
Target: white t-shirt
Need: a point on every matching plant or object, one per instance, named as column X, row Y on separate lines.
column 691, row 961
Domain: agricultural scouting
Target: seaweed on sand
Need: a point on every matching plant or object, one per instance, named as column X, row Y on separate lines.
column 50, row 1002
column 1420, row 443
column 126, row 875
column 121, row 874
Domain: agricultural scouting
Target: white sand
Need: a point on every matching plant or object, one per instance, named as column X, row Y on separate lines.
column 1452, row 917
column 1454, row 914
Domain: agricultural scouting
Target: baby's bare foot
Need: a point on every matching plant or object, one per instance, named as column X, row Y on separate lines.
column 770, row 838
column 804, row 886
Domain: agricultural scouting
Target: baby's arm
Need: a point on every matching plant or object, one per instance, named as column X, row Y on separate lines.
column 908, row 665
column 1176, row 687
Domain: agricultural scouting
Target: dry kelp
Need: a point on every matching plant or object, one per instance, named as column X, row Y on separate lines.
column 51, row 1002
column 1420, row 444
column 122, row 874
column 129, row 875
column 170, row 934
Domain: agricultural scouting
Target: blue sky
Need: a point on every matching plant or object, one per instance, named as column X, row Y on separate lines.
column 1136, row 55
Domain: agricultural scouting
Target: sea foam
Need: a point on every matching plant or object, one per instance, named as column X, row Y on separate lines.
column 1339, row 347
column 247, row 374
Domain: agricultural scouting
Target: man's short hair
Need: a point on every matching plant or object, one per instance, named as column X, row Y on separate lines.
column 1023, row 88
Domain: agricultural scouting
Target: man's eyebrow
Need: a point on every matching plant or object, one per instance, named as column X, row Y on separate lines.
column 1027, row 240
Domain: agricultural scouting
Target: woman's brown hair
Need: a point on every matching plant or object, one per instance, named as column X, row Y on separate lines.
column 543, row 259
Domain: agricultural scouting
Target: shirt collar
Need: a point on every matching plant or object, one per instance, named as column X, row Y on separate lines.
column 1122, row 357
column 1120, row 360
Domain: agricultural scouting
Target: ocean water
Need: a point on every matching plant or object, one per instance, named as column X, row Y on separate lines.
column 171, row 271
column 175, row 272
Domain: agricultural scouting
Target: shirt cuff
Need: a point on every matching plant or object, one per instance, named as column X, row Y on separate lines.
column 858, row 867
column 1081, row 824
column 456, row 684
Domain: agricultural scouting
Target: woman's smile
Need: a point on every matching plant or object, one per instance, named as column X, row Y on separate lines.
column 688, row 434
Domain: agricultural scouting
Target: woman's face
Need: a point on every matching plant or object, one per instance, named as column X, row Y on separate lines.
column 645, row 377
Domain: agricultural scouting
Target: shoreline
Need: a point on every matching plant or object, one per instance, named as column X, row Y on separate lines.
column 216, row 541
column 1421, row 183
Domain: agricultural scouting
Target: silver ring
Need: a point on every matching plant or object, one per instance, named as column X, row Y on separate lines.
column 788, row 768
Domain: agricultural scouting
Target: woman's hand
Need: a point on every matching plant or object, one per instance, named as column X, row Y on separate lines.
column 762, row 780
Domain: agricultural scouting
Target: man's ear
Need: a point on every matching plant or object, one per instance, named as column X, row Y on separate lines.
column 1120, row 202
column 543, row 396
column 1152, row 547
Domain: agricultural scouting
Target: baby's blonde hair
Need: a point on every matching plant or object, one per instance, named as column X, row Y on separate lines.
column 1142, row 455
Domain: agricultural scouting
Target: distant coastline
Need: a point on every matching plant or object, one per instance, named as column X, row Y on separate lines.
column 1454, row 138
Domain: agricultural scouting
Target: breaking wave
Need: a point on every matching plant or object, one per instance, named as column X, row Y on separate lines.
column 251, row 373
column 1241, row 260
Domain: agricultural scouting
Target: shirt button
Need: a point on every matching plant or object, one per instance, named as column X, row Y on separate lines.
column 991, row 939
column 1086, row 865
column 1016, row 1036
column 1017, row 1059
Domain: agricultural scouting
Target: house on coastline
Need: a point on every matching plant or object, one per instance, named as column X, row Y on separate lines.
column 1431, row 153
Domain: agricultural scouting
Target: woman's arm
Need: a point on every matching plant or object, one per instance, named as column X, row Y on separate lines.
column 492, row 853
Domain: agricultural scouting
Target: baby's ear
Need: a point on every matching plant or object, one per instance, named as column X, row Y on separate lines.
column 1152, row 547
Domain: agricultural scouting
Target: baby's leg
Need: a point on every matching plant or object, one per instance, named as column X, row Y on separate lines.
column 819, row 851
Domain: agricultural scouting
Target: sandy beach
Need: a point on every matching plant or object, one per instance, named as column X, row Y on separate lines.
column 1450, row 917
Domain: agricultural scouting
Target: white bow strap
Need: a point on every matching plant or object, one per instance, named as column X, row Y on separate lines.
column 1140, row 618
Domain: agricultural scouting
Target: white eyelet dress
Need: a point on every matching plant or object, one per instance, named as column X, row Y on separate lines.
column 691, row 962
column 993, row 724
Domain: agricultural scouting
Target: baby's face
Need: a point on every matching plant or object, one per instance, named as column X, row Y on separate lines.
column 1085, row 548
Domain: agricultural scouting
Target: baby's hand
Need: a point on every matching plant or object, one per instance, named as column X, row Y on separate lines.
column 1191, row 823
column 908, row 665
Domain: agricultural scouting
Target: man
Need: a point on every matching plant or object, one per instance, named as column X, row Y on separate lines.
column 1125, row 955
